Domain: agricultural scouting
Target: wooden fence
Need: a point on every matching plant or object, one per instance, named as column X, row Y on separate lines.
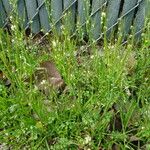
column 85, row 17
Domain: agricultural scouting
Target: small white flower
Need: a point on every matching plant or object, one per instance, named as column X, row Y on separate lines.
column 31, row 21
column 46, row 33
column 54, row 43
column 35, row 88
column 13, row 27
column 103, row 14
column 92, row 56
column 87, row 139
column 43, row 82
column 143, row 128
column 10, row 17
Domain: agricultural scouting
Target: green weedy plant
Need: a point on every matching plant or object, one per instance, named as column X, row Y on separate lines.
column 17, row 103
column 105, row 106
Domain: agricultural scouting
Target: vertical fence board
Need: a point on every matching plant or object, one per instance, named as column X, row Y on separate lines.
column 43, row 14
column 83, row 12
column 23, row 19
column 147, row 5
column 127, row 21
column 2, row 14
column 34, row 14
column 56, row 12
column 96, row 19
column 139, row 20
column 7, row 6
column 112, row 15
column 69, row 19
column 31, row 7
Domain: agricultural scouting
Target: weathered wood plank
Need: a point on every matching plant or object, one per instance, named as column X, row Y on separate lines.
column 23, row 18
column 96, row 19
column 147, row 7
column 112, row 15
column 43, row 14
column 139, row 20
column 31, row 7
column 128, row 18
column 69, row 19
column 56, row 12
column 3, row 15
column 7, row 6
column 83, row 16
